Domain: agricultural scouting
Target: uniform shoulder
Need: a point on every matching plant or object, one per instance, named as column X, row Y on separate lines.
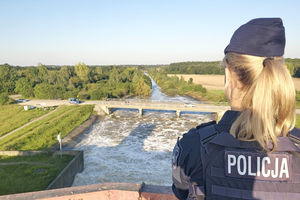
column 206, row 124
column 294, row 135
column 192, row 137
column 193, row 133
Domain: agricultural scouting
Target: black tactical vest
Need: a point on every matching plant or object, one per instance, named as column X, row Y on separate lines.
column 235, row 169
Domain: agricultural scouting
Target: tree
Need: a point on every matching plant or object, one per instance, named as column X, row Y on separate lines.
column 42, row 73
column 63, row 76
column 47, row 91
column 98, row 70
column 32, row 74
column 42, row 91
column 113, row 77
column 24, row 87
column 290, row 67
column 190, row 81
column 74, row 82
column 82, row 71
column 7, row 79
column 52, row 77
column 142, row 89
column 135, row 79
column 126, row 75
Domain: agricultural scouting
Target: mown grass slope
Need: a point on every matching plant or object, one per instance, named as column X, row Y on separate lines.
column 42, row 134
column 14, row 116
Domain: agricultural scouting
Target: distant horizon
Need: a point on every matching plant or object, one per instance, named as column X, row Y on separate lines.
column 59, row 65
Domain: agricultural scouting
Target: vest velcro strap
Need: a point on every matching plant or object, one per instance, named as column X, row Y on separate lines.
column 249, row 194
column 196, row 191
column 207, row 134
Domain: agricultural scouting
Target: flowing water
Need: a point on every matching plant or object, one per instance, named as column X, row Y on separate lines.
column 122, row 147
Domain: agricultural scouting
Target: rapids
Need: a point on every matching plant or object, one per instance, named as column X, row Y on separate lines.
column 122, row 147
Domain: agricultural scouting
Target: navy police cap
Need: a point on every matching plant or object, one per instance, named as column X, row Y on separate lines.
column 263, row 37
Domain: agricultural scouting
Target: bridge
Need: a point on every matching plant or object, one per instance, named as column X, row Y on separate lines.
column 139, row 105
column 178, row 108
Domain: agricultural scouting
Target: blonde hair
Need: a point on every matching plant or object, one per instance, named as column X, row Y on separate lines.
column 268, row 104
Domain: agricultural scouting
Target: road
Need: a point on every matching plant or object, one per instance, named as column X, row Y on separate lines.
column 129, row 103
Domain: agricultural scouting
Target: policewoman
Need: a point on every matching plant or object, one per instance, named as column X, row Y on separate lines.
column 248, row 154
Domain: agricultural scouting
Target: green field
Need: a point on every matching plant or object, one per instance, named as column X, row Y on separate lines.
column 33, row 174
column 42, row 134
column 216, row 97
column 14, row 116
column 298, row 121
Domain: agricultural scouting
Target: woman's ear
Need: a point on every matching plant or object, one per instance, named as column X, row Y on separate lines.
column 227, row 83
column 227, row 76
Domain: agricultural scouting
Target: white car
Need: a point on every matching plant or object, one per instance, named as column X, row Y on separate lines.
column 21, row 100
column 189, row 105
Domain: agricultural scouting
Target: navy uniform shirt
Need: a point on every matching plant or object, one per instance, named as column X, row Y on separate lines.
column 186, row 160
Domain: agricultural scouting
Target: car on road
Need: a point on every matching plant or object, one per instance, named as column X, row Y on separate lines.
column 21, row 100
column 73, row 101
column 189, row 105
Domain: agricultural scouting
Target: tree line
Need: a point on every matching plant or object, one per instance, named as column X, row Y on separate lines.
column 217, row 67
column 81, row 81
column 294, row 66
column 194, row 68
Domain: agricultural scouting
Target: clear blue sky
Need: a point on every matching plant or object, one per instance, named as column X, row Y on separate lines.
column 131, row 31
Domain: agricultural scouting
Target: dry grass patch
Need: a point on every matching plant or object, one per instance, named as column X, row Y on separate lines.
column 211, row 82
column 216, row 82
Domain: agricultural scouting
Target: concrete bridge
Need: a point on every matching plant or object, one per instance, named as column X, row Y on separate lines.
column 177, row 108
column 139, row 105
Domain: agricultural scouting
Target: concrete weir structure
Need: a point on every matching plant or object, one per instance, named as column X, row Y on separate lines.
column 104, row 107
column 178, row 108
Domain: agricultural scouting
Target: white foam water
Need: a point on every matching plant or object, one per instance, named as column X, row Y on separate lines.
column 125, row 148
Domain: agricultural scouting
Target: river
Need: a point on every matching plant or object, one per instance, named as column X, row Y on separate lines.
column 122, row 147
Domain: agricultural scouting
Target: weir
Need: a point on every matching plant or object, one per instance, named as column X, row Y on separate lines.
column 177, row 108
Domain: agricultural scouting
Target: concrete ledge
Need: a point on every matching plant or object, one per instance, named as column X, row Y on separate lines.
column 66, row 177
column 105, row 191
column 32, row 153
column 21, row 153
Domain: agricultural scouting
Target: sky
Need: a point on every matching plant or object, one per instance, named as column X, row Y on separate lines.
column 115, row 32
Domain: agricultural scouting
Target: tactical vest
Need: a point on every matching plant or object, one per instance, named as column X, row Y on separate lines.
column 235, row 169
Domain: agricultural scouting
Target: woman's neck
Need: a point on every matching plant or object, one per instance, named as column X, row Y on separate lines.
column 236, row 101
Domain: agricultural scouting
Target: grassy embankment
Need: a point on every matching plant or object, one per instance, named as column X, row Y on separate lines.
column 177, row 85
column 42, row 134
column 14, row 116
column 29, row 173
column 297, row 121
column 214, row 85
column 38, row 171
